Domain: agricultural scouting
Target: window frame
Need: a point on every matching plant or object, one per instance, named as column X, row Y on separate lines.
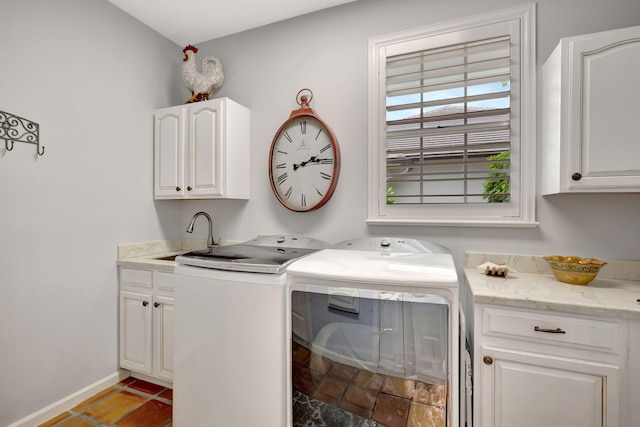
column 521, row 211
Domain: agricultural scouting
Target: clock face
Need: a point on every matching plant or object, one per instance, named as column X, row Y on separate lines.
column 304, row 164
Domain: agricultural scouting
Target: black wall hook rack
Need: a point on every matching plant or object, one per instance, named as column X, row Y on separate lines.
column 17, row 129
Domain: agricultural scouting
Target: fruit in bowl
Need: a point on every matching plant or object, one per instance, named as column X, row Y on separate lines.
column 573, row 269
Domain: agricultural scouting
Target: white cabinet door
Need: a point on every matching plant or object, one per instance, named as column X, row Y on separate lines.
column 169, row 139
column 590, row 129
column 163, row 315
column 532, row 390
column 135, row 331
column 204, row 166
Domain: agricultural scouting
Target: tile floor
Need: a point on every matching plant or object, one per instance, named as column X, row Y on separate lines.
column 130, row 403
column 388, row 401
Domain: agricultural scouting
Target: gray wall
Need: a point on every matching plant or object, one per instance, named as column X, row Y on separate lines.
column 327, row 52
column 91, row 77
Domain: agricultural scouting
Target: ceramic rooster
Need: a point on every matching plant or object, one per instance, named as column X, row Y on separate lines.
column 201, row 84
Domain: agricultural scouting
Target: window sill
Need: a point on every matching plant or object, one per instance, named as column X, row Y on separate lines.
column 447, row 222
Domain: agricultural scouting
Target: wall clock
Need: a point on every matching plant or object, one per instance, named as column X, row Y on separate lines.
column 304, row 161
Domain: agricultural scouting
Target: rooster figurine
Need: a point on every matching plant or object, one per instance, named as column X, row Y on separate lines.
column 201, row 84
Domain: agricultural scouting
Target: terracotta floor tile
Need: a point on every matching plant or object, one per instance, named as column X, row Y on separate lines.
column 300, row 354
column 55, row 420
column 430, row 394
column 426, row 416
column 369, row 380
column 330, row 390
column 113, row 407
column 127, row 380
column 94, row 398
column 355, row 409
column 391, row 411
column 307, row 381
column 76, row 422
column 399, row 387
column 152, row 414
column 167, row 394
column 361, row 396
column 146, row 387
column 342, row 372
column 319, row 363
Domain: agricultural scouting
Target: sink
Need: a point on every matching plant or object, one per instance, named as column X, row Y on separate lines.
column 167, row 258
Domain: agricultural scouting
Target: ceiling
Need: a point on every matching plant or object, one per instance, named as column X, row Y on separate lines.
column 194, row 21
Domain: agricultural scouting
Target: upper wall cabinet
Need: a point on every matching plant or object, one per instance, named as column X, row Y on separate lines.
column 202, row 151
column 591, row 112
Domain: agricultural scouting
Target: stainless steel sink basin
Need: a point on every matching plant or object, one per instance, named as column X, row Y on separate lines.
column 167, row 258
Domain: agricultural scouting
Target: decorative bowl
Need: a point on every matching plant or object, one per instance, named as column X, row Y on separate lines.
column 573, row 269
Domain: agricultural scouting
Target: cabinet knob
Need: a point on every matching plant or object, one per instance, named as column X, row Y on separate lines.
column 178, row 188
column 145, row 303
column 189, row 188
column 156, row 304
column 488, row 360
column 576, row 176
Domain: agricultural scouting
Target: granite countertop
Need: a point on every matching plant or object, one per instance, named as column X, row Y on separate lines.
column 145, row 255
column 531, row 284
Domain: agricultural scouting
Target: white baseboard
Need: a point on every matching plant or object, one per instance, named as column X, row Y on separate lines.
column 66, row 403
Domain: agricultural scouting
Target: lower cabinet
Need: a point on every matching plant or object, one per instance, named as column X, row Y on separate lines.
column 146, row 322
column 536, row 369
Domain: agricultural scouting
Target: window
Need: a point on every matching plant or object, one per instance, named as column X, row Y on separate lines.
column 452, row 123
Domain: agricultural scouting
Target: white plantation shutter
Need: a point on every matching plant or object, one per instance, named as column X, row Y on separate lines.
column 452, row 123
column 448, row 111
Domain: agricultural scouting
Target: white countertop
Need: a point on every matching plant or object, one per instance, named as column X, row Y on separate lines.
column 613, row 293
column 145, row 255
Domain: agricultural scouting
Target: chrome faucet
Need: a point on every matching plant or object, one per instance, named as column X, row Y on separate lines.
column 210, row 242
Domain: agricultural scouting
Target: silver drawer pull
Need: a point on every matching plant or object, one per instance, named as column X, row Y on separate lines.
column 549, row 331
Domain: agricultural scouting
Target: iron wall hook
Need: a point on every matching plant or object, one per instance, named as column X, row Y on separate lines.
column 17, row 129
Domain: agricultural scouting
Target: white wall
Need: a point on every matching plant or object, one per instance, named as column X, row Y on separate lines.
column 91, row 76
column 327, row 52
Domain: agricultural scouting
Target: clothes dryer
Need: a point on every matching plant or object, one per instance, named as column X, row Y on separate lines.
column 374, row 335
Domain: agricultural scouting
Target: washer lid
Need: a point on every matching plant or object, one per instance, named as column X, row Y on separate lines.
column 391, row 244
column 385, row 268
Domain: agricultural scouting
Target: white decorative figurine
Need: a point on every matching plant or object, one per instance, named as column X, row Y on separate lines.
column 201, row 84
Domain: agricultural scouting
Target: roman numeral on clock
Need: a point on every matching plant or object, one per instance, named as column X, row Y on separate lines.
column 325, row 148
column 303, row 127
column 288, row 193
column 303, row 201
column 319, row 132
column 325, row 176
column 282, row 178
column 286, row 135
column 281, row 166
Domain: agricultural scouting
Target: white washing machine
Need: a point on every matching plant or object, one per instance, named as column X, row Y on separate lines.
column 230, row 333
column 369, row 317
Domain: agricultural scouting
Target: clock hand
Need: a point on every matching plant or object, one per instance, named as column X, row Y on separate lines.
column 313, row 159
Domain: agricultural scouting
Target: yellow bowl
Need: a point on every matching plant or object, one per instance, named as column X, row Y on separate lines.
column 573, row 269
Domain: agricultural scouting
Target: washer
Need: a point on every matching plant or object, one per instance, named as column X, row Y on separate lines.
column 379, row 306
column 230, row 332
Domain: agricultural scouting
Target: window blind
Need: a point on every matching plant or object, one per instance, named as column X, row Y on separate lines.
column 448, row 131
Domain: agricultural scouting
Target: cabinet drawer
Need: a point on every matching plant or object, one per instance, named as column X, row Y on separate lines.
column 135, row 277
column 163, row 281
column 598, row 335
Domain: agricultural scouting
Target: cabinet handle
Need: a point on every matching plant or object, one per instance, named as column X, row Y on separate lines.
column 156, row 304
column 549, row 331
column 145, row 303
column 576, row 176
column 178, row 188
column 488, row 360
column 189, row 188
